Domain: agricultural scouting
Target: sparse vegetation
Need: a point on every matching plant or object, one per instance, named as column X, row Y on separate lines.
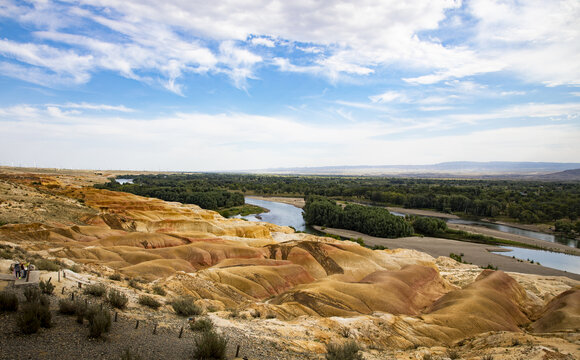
column 67, row 307
column 117, row 299
column 32, row 294
column 134, row 283
column 452, row 354
column 210, row 345
column 128, row 355
column 149, row 301
column 347, row 351
column 427, row 357
column 487, row 357
column 184, row 306
column 96, row 290
column 48, row 265
column 115, row 277
column 202, row 324
column 158, row 290
column 46, row 287
column 8, row 301
column 35, row 314
column 490, row 267
column 99, row 321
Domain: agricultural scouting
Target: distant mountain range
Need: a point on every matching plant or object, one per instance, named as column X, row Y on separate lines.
column 458, row 169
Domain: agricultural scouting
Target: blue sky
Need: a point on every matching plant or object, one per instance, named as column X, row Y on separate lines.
column 231, row 85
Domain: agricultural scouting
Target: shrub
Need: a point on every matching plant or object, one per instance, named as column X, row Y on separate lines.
column 427, row 357
column 46, row 287
column 452, row 354
column 201, row 324
column 210, row 345
column 67, row 307
column 48, row 265
column 76, row 268
column 117, row 299
column 28, row 320
column 80, row 311
column 347, row 351
column 149, row 301
column 128, row 355
column 487, row 357
column 184, row 306
column 115, row 277
column 135, row 284
column 8, row 301
column 97, row 290
column 32, row 294
column 158, row 290
column 99, row 321
column 33, row 316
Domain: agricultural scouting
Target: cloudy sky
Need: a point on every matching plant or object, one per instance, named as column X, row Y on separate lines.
column 228, row 85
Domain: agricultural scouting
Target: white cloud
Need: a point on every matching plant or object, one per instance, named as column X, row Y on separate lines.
column 262, row 41
column 390, row 96
column 195, row 141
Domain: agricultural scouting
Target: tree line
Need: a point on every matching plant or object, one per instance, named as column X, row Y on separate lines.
column 368, row 220
column 521, row 201
column 184, row 193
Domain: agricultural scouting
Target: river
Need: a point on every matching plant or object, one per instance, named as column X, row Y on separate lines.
column 289, row 215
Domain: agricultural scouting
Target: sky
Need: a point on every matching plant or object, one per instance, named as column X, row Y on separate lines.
column 231, row 85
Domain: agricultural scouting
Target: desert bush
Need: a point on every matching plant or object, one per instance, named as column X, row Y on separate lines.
column 158, row 290
column 202, row 324
column 135, row 284
column 46, row 287
column 149, row 301
column 427, row 357
column 184, row 306
column 99, row 321
column 67, row 307
column 115, row 277
column 97, row 290
column 117, row 299
column 487, row 357
column 452, row 354
column 80, row 311
column 32, row 294
column 75, row 268
column 8, row 301
column 48, row 265
column 33, row 316
column 128, row 355
column 210, row 345
column 347, row 351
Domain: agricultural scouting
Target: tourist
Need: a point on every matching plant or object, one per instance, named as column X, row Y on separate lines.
column 24, row 268
column 17, row 270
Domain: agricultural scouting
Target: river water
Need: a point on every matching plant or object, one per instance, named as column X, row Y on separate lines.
column 289, row 215
column 280, row 214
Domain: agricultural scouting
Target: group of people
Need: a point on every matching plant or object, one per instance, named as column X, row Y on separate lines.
column 20, row 269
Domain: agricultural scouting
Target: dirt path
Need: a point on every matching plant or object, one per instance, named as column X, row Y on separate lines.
column 478, row 254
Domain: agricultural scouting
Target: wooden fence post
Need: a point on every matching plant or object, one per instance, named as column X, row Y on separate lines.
column 155, row 329
column 137, row 324
column 58, row 275
column 181, row 332
column 116, row 313
column 237, row 350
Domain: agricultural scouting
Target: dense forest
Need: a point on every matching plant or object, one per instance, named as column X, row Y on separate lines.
column 523, row 201
column 374, row 221
column 182, row 192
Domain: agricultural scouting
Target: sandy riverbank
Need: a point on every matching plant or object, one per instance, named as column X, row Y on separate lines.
column 556, row 247
column 298, row 202
column 478, row 254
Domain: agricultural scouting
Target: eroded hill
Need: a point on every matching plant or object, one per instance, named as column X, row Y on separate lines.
column 315, row 286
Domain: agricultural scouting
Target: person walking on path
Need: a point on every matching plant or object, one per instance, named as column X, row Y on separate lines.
column 24, row 268
column 17, row 270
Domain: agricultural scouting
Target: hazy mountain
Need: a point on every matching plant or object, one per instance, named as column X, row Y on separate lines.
column 445, row 169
